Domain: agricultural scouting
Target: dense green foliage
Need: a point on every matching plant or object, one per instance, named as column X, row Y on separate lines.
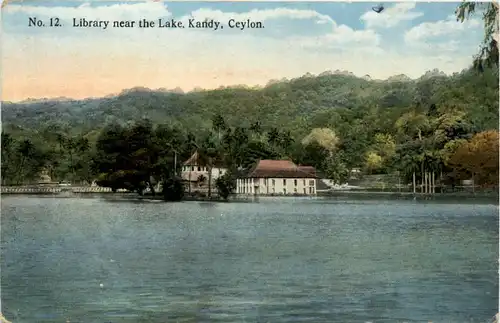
column 226, row 185
column 335, row 122
column 173, row 189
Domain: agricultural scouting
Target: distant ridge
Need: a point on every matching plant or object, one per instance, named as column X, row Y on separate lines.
column 178, row 90
column 292, row 101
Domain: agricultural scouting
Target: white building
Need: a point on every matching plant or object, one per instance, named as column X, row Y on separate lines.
column 193, row 170
column 278, row 177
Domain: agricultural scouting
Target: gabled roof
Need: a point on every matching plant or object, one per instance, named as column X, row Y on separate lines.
column 193, row 160
column 279, row 169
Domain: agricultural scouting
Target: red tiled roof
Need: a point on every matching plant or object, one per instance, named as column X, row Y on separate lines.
column 308, row 169
column 279, row 169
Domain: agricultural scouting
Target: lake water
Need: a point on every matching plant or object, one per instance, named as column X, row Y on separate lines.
column 279, row 260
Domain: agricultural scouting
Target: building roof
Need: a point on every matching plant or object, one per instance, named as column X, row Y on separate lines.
column 279, row 169
column 193, row 160
column 308, row 169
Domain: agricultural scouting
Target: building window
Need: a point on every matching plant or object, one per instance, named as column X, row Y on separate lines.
column 305, row 192
column 304, row 183
column 199, row 168
column 274, row 182
column 265, row 181
column 295, row 182
column 284, row 182
column 192, row 168
column 311, row 183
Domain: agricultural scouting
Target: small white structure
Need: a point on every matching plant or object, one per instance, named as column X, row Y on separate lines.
column 278, row 177
column 193, row 170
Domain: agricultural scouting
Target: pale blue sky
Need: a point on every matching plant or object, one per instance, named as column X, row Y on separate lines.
column 299, row 37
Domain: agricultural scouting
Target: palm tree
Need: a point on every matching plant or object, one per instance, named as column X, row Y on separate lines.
column 218, row 124
column 208, row 156
column 273, row 136
column 200, row 180
column 256, row 129
column 191, row 147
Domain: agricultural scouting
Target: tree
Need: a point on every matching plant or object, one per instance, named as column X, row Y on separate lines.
column 373, row 161
column 381, row 152
column 312, row 154
column 324, row 137
column 226, row 185
column 191, row 147
column 201, row 180
column 256, row 127
column 27, row 152
column 173, row 189
column 273, row 136
column 488, row 53
column 478, row 158
column 218, row 124
column 336, row 169
column 126, row 157
column 209, row 155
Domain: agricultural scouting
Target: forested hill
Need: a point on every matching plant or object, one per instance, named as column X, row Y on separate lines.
column 332, row 122
column 298, row 105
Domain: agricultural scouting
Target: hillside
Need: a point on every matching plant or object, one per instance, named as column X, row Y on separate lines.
column 306, row 101
column 334, row 122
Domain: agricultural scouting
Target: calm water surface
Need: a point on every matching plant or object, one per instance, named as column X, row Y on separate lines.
column 279, row 260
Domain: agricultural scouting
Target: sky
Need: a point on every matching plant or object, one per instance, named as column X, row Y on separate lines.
column 298, row 38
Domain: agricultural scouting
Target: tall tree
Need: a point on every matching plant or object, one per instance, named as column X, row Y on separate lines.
column 488, row 53
column 219, row 124
column 209, row 154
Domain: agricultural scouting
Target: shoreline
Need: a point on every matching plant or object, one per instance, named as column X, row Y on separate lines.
column 354, row 194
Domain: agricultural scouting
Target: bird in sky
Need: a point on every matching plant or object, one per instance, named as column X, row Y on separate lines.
column 379, row 8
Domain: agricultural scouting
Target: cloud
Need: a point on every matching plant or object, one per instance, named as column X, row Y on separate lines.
column 320, row 29
column 447, row 35
column 262, row 15
column 449, row 27
column 118, row 11
column 391, row 17
column 329, row 35
column 342, row 37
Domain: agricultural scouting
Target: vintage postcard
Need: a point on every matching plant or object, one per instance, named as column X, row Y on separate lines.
column 249, row 162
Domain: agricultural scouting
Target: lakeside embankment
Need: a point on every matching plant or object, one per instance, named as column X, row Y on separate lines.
column 87, row 191
column 490, row 195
